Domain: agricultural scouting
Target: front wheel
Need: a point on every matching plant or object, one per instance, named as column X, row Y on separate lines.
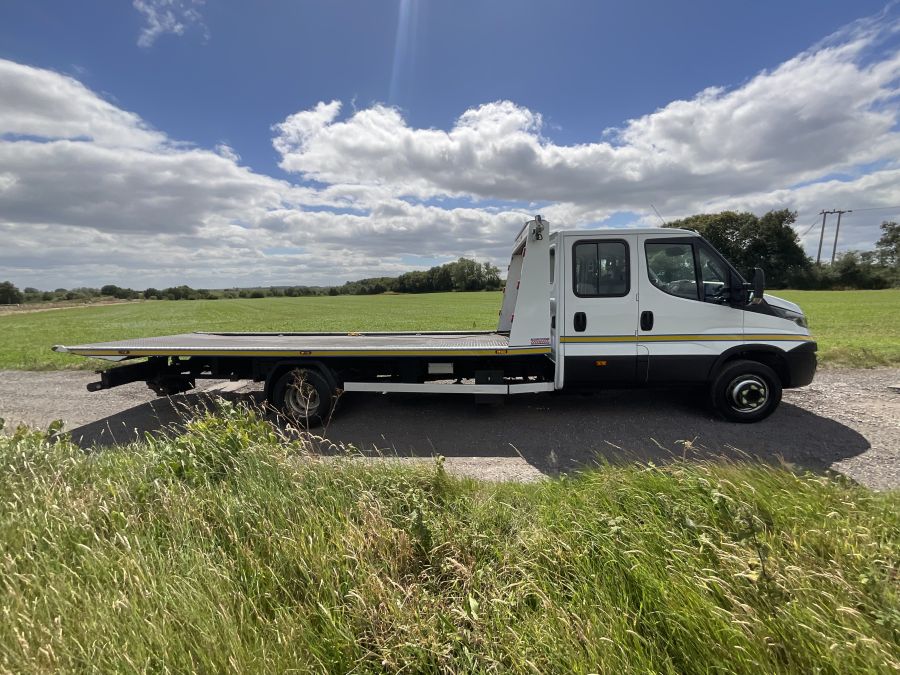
column 746, row 391
column 304, row 396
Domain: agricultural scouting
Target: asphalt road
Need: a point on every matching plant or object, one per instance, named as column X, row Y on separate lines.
column 847, row 420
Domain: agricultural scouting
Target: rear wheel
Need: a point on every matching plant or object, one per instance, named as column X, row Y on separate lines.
column 304, row 396
column 746, row 391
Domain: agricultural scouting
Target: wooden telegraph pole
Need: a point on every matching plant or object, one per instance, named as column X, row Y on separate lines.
column 821, row 237
column 825, row 214
column 836, row 232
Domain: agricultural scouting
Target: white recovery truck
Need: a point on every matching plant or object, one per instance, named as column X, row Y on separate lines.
column 587, row 309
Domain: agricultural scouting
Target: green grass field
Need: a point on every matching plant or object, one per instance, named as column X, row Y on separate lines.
column 229, row 549
column 854, row 328
column 26, row 338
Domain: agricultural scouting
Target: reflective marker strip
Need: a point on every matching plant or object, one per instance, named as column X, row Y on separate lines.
column 688, row 338
column 508, row 351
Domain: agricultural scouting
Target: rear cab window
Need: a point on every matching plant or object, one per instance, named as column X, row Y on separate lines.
column 600, row 269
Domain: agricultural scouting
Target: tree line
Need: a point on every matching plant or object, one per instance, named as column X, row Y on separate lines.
column 746, row 240
column 769, row 242
column 462, row 275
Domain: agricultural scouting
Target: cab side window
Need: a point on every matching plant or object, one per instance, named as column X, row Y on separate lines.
column 671, row 269
column 600, row 269
column 687, row 270
column 713, row 275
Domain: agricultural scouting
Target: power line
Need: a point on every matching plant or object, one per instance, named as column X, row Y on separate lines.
column 868, row 208
column 839, row 213
column 807, row 230
column 879, row 208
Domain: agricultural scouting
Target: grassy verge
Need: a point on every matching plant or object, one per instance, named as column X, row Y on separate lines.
column 853, row 328
column 227, row 549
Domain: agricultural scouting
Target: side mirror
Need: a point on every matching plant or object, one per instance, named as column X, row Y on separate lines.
column 759, row 285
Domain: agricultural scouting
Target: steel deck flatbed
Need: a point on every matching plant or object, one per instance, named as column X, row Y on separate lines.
column 324, row 345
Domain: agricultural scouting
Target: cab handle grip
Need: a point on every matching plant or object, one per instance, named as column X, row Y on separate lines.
column 580, row 321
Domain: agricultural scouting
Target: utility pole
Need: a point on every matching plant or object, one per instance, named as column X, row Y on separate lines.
column 834, row 249
column 822, row 233
column 821, row 237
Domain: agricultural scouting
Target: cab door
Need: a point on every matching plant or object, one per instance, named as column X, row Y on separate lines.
column 685, row 320
column 599, row 315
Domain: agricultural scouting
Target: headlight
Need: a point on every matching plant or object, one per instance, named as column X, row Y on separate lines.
column 797, row 317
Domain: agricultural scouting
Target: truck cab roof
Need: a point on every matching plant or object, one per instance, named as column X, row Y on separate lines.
column 660, row 231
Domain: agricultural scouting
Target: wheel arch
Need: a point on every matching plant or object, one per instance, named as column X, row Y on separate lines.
column 769, row 355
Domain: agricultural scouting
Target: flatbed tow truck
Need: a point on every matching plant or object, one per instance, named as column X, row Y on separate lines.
column 582, row 310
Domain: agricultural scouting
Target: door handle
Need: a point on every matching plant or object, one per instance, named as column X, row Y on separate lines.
column 646, row 320
column 580, row 321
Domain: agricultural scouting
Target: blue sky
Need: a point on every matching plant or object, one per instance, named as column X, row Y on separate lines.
column 571, row 95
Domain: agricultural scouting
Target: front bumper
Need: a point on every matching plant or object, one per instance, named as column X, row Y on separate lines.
column 801, row 362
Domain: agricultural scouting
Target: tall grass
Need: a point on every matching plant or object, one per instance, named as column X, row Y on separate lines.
column 229, row 547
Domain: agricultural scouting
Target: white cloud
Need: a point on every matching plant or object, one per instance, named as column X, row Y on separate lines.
column 167, row 16
column 46, row 104
column 820, row 112
column 90, row 193
column 226, row 151
column 115, row 189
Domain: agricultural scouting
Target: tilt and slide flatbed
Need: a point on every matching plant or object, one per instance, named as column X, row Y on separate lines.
column 581, row 310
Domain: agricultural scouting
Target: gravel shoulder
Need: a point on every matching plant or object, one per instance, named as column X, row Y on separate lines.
column 848, row 420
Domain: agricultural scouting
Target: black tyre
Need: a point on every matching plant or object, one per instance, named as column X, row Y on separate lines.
column 746, row 391
column 303, row 396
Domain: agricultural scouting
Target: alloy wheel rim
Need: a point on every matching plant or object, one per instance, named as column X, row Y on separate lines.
column 747, row 393
column 301, row 398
